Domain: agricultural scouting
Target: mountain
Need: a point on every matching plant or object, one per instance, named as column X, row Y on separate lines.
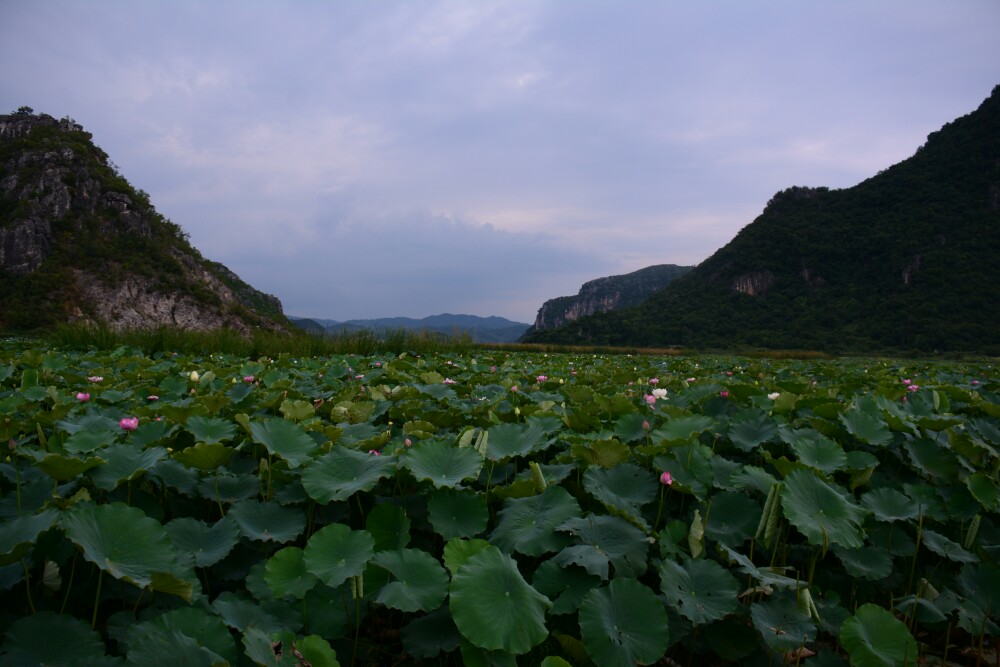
column 79, row 243
column 604, row 294
column 480, row 329
column 906, row 260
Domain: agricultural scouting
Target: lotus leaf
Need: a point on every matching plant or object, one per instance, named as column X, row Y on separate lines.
column 335, row 552
column 283, row 438
column 205, row 456
column 820, row 511
column 528, row 525
column 566, row 587
column 122, row 541
column 703, row 590
column 494, row 607
column 207, row 543
column 441, row 464
column 874, row 637
column 732, row 518
column 210, row 430
column 188, row 631
column 605, row 541
column 268, row 521
column 457, row 513
column 626, row 487
column 427, row 636
column 623, row 623
column 889, row 505
column 782, row 624
column 752, row 431
column 457, row 551
column 343, row 472
column 421, row 583
column 286, row 574
column 29, row 641
column 22, row 531
column 389, row 525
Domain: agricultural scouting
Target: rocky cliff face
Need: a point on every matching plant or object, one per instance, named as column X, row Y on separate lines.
column 78, row 243
column 604, row 294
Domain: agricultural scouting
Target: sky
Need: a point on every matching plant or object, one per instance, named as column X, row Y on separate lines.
column 379, row 159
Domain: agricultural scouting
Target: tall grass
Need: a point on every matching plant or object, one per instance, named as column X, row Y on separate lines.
column 257, row 344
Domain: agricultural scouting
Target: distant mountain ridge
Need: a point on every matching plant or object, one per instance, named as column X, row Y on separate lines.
column 491, row 329
column 79, row 243
column 604, row 294
column 906, row 260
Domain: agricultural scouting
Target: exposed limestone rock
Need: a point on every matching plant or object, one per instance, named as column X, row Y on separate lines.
column 755, row 283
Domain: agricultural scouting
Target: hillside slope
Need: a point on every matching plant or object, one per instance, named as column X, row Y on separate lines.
column 79, row 243
column 904, row 261
column 604, row 294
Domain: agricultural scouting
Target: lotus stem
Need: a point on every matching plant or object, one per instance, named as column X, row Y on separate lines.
column 916, row 550
column 97, row 599
column 27, row 585
column 69, row 584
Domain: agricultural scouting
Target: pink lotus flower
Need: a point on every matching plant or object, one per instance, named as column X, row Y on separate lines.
column 666, row 479
column 493, row 369
column 248, row 378
column 448, row 381
column 975, row 382
column 152, row 397
column 407, row 442
column 514, row 388
column 645, row 425
column 83, row 397
column 378, row 364
column 654, row 380
column 690, row 380
column 542, row 378
column 129, row 423
column 649, row 399
column 913, row 387
column 907, row 381
column 95, row 378
column 724, row 394
column 374, row 452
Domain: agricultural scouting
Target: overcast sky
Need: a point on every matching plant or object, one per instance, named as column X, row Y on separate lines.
column 371, row 159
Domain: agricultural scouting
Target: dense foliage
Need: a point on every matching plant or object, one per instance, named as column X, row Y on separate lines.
column 904, row 261
column 495, row 508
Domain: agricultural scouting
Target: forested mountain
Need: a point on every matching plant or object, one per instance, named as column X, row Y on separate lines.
column 79, row 243
column 906, row 260
column 604, row 294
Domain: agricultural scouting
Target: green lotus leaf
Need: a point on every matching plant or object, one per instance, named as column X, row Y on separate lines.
column 703, row 590
column 733, row 518
column 285, row 439
column 442, row 464
column 782, row 623
column 205, row 456
column 421, row 583
column 62, row 468
column 528, row 525
column 286, row 574
column 316, row 651
column 984, row 489
column 605, row 541
column 866, row 426
column 151, row 432
column 125, row 463
column 335, row 553
column 566, row 587
column 604, row 453
column 629, row 428
column 149, row 649
column 89, row 422
column 509, row 440
column 942, row 546
column 626, row 487
column 939, row 464
column 747, row 434
column 473, row 656
column 186, row 632
column 207, row 543
column 297, row 410
column 457, row 513
column 22, row 531
column 343, row 472
column 691, row 467
column 458, row 550
column 210, row 430
column 229, row 488
column 623, row 624
column 684, row 428
column 874, row 637
column 268, row 521
column 866, row 563
column 121, row 541
column 84, row 442
column 889, row 505
column 980, row 588
column 494, row 607
column 821, row 512
column 752, row 477
column 240, row 613
column 430, row 635
column 389, row 525
column 30, row 641
column 816, row 450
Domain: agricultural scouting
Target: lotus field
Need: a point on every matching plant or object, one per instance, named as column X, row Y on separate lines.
column 496, row 508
